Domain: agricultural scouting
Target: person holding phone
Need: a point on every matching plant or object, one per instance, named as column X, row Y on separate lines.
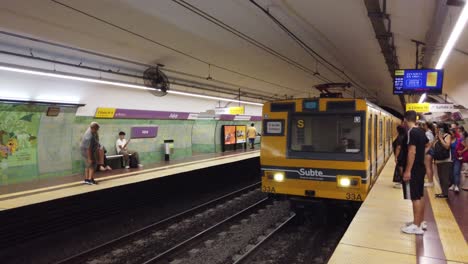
column 121, row 148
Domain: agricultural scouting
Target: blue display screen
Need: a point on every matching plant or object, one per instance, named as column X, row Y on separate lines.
column 417, row 81
column 311, row 105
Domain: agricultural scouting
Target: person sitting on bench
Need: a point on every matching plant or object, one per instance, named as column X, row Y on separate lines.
column 121, row 147
column 102, row 163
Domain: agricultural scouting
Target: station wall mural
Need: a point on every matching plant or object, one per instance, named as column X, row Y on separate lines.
column 34, row 146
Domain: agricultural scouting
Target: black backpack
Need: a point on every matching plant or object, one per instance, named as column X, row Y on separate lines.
column 133, row 162
column 440, row 152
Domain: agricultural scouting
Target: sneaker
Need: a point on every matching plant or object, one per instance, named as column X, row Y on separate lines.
column 397, row 185
column 87, row 182
column 452, row 188
column 412, row 229
column 456, row 189
column 140, row 165
column 93, row 182
column 127, row 167
column 108, row 168
column 423, row 225
column 429, row 184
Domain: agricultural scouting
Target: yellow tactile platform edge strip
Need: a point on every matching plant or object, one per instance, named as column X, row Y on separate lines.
column 453, row 242
column 452, row 239
column 64, row 190
column 365, row 241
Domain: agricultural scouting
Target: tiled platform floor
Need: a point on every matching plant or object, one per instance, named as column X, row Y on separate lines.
column 374, row 236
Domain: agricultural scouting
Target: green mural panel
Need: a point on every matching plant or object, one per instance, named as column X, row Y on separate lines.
column 34, row 146
column 18, row 142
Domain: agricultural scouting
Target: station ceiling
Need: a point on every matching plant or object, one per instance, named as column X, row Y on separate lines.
column 246, row 47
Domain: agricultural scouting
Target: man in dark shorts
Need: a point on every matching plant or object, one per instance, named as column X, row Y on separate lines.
column 88, row 148
column 413, row 175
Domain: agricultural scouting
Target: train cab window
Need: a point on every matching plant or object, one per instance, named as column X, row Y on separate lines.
column 326, row 133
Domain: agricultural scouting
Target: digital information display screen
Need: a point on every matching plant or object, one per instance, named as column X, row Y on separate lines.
column 418, row 81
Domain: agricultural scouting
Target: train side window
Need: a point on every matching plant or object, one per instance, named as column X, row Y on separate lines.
column 380, row 133
column 369, row 137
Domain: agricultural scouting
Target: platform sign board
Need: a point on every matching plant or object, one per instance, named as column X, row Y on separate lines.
column 418, row 81
column 105, row 112
column 241, row 134
column 149, row 114
column 440, row 108
column 418, row 107
column 427, row 107
column 236, row 110
column 144, row 132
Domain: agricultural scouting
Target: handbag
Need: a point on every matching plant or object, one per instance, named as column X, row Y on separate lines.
column 440, row 152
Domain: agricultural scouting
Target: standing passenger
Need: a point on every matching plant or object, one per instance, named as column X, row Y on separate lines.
column 251, row 134
column 428, row 161
column 444, row 165
column 462, row 132
column 456, row 162
column 89, row 147
column 397, row 145
column 413, row 175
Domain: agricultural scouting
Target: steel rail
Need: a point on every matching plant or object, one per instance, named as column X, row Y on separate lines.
column 256, row 246
column 111, row 243
column 193, row 238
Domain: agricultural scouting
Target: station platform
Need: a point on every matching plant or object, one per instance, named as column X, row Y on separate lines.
column 374, row 235
column 29, row 193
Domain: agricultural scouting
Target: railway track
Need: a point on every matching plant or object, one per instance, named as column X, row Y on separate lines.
column 134, row 247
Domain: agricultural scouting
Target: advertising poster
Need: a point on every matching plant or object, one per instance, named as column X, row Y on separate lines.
column 229, row 135
column 241, row 132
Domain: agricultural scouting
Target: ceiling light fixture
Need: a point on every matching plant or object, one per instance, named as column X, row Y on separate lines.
column 71, row 77
column 67, row 76
column 456, row 32
column 422, row 98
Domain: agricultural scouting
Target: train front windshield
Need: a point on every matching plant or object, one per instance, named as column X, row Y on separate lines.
column 326, row 133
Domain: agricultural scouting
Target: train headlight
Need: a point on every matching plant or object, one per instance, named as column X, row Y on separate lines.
column 348, row 181
column 278, row 176
column 344, row 182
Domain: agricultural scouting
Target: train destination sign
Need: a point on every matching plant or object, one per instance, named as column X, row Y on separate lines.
column 418, row 81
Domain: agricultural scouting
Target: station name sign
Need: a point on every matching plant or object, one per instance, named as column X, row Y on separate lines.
column 118, row 113
column 427, row 107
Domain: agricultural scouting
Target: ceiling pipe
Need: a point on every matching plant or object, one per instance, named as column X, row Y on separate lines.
column 384, row 36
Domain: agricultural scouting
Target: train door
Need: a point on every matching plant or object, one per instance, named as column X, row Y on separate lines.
column 376, row 165
column 369, row 147
column 384, row 138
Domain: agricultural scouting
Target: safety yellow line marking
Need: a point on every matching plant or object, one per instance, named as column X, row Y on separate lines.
column 453, row 242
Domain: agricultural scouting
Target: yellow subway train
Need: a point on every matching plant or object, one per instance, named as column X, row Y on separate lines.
column 324, row 148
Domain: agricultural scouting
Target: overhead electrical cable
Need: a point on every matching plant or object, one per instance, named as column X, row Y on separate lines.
column 323, row 61
column 169, row 47
column 247, row 38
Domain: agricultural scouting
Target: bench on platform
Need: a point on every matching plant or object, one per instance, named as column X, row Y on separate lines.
column 117, row 157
